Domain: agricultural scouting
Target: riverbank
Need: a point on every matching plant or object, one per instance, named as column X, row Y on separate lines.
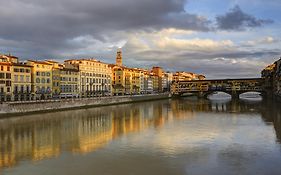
column 15, row 108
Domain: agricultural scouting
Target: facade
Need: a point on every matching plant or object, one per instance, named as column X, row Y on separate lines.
column 21, row 82
column 268, row 75
column 148, row 83
column 69, row 82
column 41, row 79
column 56, row 68
column 136, row 83
column 277, row 77
column 9, row 59
column 95, row 77
column 272, row 77
column 157, row 79
column 125, row 81
column 5, row 81
column 187, row 76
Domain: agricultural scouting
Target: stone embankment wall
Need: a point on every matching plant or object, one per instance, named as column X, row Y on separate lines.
column 62, row 104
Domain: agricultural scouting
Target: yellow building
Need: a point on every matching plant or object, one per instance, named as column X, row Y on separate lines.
column 5, row 81
column 69, row 82
column 136, row 82
column 125, row 80
column 95, row 77
column 6, row 71
column 187, row 76
column 56, row 72
column 41, row 79
column 21, row 82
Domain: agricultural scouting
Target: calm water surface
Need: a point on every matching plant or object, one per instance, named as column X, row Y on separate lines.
column 177, row 137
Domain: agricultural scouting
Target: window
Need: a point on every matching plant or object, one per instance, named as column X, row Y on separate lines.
column 48, row 74
column 48, row 80
column 16, row 77
column 43, row 80
column 16, row 70
column 38, row 73
column 27, row 70
column 8, row 68
column 8, row 75
column 21, row 70
column 2, row 90
column 2, row 75
column 37, row 80
column 27, row 89
column 43, row 74
column 2, row 68
column 8, row 89
column 21, row 78
column 21, row 88
column 37, row 89
column 27, row 78
column 8, row 83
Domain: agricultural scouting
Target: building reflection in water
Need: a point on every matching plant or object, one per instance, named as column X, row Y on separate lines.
column 42, row 136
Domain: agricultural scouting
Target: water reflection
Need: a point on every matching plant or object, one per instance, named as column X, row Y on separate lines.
column 42, row 136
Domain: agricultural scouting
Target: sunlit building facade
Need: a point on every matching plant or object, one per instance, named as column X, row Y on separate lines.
column 41, row 79
column 5, row 81
column 95, row 77
column 69, row 82
column 21, row 82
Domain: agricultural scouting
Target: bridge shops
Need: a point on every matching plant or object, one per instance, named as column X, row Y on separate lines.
column 203, row 88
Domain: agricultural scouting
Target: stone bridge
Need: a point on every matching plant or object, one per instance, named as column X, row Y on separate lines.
column 233, row 87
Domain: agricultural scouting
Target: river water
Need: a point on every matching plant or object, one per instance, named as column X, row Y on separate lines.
column 167, row 137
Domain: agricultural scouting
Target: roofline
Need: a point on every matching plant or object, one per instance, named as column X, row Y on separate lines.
column 40, row 62
column 227, row 79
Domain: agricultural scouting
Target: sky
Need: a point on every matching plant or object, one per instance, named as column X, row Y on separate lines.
column 220, row 39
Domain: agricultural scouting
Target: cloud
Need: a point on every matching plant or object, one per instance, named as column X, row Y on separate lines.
column 174, row 40
column 180, row 51
column 52, row 24
column 262, row 41
column 151, row 32
column 236, row 19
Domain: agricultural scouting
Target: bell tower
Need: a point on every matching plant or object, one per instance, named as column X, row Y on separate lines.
column 119, row 58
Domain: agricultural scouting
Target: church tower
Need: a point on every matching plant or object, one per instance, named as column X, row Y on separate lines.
column 119, row 58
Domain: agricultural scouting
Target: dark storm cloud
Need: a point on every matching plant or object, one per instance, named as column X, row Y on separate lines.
column 236, row 19
column 50, row 24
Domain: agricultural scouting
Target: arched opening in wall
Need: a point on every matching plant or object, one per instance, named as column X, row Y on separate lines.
column 251, row 96
column 219, row 96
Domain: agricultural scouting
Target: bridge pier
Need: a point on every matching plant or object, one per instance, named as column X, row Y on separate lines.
column 235, row 95
column 201, row 94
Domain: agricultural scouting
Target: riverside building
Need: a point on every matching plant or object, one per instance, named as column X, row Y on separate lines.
column 69, row 82
column 6, row 70
column 5, row 81
column 41, row 79
column 95, row 77
column 125, row 81
column 21, row 82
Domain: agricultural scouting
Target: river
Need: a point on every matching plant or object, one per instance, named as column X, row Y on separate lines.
column 167, row 137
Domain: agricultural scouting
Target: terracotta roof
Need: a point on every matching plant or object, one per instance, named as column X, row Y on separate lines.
column 69, row 69
column 39, row 62
column 21, row 64
column 5, row 63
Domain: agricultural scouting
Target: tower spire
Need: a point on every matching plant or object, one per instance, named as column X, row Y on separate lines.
column 119, row 57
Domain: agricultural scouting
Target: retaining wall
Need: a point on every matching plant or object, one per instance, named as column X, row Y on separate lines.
column 63, row 104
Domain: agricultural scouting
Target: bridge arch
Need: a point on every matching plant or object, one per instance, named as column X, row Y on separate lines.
column 251, row 94
column 211, row 93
